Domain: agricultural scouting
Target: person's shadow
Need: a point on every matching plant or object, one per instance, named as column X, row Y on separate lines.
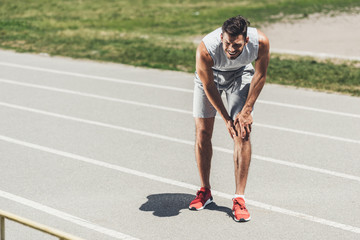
column 170, row 204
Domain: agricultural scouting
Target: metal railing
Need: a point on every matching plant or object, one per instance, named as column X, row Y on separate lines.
column 51, row 231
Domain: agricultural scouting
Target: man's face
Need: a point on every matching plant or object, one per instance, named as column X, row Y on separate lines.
column 233, row 46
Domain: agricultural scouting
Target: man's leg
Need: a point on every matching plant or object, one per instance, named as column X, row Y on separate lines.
column 242, row 157
column 203, row 154
column 203, row 148
column 236, row 97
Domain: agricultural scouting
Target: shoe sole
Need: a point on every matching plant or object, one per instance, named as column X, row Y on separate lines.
column 241, row 219
column 210, row 200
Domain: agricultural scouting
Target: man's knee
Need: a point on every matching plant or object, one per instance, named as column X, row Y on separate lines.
column 204, row 130
column 238, row 139
column 203, row 137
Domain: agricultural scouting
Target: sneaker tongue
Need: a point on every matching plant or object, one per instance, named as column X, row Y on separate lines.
column 240, row 200
column 203, row 189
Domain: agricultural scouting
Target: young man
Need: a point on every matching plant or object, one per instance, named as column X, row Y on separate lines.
column 223, row 64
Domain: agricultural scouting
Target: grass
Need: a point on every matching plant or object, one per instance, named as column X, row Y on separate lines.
column 311, row 73
column 160, row 33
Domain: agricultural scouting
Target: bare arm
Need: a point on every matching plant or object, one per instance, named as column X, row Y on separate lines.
column 257, row 83
column 204, row 65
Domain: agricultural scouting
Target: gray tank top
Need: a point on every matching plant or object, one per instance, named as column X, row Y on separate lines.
column 214, row 46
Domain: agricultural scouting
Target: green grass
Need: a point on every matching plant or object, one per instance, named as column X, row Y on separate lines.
column 311, row 73
column 158, row 33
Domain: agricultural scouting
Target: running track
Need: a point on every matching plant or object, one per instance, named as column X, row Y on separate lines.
column 105, row 151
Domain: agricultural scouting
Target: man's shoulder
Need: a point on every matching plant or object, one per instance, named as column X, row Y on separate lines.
column 264, row 43
column 213, row 37
column 262, row 37
column 212, row 42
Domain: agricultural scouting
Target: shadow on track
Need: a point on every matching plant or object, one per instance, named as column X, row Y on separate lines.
column 170, row 204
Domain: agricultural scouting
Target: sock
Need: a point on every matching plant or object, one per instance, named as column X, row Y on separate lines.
column 242, row 196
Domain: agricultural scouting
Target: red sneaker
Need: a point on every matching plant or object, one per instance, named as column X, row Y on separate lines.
column 203, row 198
column 240, row 212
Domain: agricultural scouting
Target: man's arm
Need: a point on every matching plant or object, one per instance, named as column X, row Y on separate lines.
column 204, row 64
column 257, row 83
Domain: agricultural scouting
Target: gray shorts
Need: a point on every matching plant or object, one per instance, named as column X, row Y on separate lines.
column 236, row 86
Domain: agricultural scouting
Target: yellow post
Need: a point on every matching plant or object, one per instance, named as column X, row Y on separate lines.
column 2, row 226
column 51, row 231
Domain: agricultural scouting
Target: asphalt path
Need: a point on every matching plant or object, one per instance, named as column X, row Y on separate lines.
column 105, row 151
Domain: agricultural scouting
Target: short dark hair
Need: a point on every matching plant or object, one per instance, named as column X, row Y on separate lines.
column 236, row 26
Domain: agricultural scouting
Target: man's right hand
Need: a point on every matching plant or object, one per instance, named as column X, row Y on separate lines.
column 231, row 128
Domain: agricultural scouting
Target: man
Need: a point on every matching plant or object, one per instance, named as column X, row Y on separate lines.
column 223, row 64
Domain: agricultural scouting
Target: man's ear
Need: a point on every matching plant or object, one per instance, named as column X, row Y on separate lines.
column 221, row 36
column 247, row 40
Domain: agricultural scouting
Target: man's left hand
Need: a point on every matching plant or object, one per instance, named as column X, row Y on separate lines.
column 245, row 120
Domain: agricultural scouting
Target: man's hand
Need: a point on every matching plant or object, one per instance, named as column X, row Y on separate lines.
column 245, row 120
column 231, row 128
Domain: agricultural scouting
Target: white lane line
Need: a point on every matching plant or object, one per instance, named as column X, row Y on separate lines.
column 308, row 108
column 108, row 79
column 305, row 167
column 178, row 140
column 180, row 184
column 169, row 109
column 308, row 133
column 167, row 88
column 65, row 216
column 294, row 165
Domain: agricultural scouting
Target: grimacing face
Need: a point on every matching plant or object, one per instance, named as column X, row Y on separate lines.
column 233, row 46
